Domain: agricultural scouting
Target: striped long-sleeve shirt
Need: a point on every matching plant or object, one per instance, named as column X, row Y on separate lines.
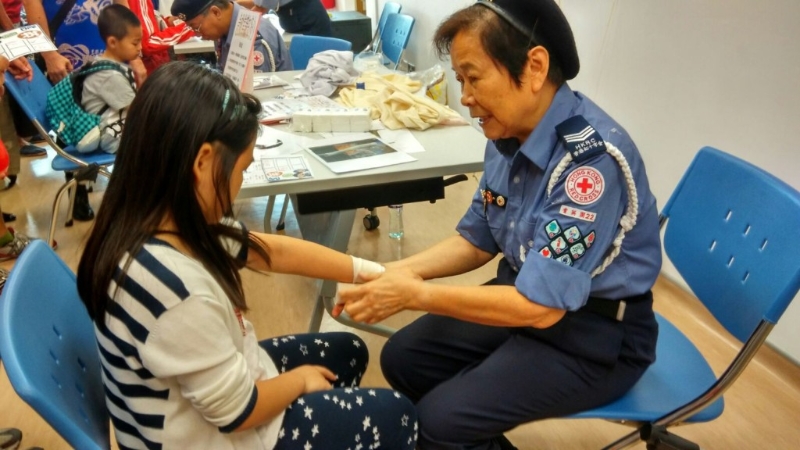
column 179, row 364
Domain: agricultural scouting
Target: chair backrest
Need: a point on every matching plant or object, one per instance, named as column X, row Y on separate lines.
column 726, row 235
column 388, row 8
column 49, row 349
column 395, row 36
column 304, row 47
column 32, row 96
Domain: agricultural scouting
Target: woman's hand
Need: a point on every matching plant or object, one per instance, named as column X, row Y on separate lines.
column 58, row 67
column 382, row 295
column 21, row 69
column 315, row 378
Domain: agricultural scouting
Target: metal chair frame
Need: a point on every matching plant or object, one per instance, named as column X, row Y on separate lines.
column 32, row 98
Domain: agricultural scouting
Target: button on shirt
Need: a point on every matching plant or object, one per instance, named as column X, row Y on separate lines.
column 552, row 244
column 261, row 55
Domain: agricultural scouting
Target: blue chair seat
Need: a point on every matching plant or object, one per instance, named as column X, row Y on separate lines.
column 62, row 164
column 678, row 374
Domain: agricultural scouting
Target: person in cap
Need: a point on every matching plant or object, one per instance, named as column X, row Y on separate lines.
column 567, row 324
column 297, row 16
column 215, row 20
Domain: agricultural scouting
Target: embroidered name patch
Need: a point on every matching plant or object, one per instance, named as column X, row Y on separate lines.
column 584, row 185
column 576, row 213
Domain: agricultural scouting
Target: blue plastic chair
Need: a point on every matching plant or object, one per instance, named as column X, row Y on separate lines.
column 388, row 8
column 304, row 47
column 49, row 349
column 395, row 36
column 32, row 98
column 726, row 228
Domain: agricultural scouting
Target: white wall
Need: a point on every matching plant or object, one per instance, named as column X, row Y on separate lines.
column 678, row 75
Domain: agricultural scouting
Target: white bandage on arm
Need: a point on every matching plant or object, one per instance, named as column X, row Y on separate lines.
column 365, row 266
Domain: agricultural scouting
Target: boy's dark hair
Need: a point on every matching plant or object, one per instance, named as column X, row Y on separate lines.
column 115, row 20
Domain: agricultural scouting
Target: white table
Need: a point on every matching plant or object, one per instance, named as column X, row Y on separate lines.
column 448, row 151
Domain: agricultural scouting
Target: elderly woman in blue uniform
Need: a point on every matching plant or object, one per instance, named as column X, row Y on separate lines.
column 567, row 324
column 215, row 20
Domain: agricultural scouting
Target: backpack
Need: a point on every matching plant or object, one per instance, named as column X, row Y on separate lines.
column 64, row 111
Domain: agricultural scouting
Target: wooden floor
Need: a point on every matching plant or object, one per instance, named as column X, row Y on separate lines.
column 762, row 409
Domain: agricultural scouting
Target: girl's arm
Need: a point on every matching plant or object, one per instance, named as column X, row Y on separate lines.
column 298, row 257
column 276, row 394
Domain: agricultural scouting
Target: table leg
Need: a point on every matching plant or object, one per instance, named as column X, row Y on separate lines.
column 331, row 229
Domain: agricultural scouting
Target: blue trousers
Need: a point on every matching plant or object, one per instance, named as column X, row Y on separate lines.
column 471, row 383
column 305, row 17
column 346, row 416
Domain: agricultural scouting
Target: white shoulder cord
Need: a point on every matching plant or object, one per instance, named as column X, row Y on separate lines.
column 271, row 57
column 628, row 220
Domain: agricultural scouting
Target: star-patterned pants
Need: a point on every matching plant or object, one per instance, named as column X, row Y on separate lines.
column 346, row 417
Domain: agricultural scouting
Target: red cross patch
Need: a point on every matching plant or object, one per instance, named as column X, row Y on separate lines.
column 585, row 185
column 258, row 58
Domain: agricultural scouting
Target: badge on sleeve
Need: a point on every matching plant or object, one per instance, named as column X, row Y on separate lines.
column 553, row 229
column 258, row 58
column 584, row 185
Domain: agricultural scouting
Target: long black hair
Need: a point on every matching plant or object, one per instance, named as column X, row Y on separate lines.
column 181, row 106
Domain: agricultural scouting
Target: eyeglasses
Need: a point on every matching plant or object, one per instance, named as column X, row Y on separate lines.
column 202, row 17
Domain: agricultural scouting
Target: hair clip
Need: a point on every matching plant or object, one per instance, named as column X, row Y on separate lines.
column 227, row 97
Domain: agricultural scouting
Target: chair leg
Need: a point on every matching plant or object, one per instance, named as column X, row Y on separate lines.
column 71, row 197
column 658, row 438
column 54, row 218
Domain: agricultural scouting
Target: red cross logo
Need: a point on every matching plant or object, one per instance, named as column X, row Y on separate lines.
column 258, row 58
column 584, row 185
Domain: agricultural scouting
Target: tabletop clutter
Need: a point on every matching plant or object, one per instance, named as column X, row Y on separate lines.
column 364, row 92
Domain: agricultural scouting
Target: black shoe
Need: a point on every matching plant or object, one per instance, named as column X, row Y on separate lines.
column 8, row 217
column 32, row 150
column 12, row 180
column 82, row 210
column 505, row 444
column 10, row 438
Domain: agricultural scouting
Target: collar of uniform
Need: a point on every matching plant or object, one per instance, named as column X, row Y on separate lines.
column 542, row 142
column 226, row 40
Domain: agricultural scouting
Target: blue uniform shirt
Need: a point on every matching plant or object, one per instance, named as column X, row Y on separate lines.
column 268, row 36
column 552, row 244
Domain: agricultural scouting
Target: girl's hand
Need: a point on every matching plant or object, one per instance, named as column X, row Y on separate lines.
column 315, row 378
column 382, row 295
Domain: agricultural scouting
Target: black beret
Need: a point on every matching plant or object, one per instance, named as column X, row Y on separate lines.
column 189, row 9
column 543, row 20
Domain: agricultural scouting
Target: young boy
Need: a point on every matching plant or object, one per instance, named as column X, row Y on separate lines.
column 110, row 92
